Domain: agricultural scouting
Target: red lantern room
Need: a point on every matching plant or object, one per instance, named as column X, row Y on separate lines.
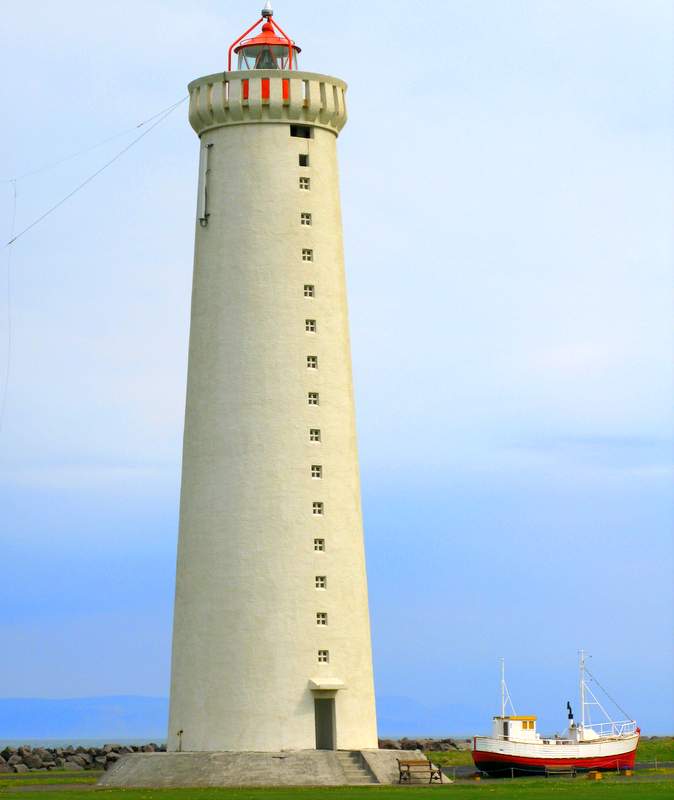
column 270, row 49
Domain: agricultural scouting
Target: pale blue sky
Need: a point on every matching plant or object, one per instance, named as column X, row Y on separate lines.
column 509, row 261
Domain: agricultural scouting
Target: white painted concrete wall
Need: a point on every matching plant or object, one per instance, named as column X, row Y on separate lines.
column 245, row 635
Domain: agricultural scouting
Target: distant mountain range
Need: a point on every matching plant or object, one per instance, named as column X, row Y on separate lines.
column 144, row 719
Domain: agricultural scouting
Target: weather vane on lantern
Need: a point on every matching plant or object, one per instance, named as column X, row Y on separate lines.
column 267, row 50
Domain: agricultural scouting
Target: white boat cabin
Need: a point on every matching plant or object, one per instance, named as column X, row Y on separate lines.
column 519, row 729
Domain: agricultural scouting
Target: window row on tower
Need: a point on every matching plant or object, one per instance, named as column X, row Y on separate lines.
column 313, row 399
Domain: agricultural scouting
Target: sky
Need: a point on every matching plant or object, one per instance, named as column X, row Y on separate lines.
column 506, row 178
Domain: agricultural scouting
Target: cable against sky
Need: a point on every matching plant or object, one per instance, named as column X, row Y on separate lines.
column 94, row 175
column 158, row 118
column 5, row 385
column 58, row 162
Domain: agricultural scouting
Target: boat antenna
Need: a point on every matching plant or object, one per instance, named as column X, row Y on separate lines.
column 505, row 694
column 503, row 686
column 581, row 668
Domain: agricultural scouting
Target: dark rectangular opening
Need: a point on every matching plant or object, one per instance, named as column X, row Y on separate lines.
column 324, row 710
column 301, row 131
column 304, row 159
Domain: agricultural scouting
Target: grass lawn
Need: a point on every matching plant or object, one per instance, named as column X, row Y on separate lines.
column 7, row 780
column 527, row 789
column 662, row 749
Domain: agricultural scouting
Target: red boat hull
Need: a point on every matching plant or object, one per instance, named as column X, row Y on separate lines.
column 501, row 764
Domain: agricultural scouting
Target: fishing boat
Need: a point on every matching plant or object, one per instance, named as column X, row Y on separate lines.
column 516, row 748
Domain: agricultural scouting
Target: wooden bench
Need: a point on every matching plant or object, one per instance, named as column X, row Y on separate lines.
column 564, row 769
column 420, row 766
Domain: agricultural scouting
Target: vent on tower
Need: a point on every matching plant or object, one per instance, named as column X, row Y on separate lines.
column 301, row 132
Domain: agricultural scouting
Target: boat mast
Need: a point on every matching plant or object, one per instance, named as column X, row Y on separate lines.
column 505, row 694
column 503, row 687
column 581, row 666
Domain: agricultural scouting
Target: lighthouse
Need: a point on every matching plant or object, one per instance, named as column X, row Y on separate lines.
column 271, row 638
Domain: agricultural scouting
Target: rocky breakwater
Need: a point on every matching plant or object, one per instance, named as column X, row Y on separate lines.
column 426, row 745
column 70, row 759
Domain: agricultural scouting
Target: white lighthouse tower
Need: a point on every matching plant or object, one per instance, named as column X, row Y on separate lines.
column 271, row 643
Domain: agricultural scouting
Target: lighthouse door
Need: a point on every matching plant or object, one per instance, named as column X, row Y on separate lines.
column 324, row 710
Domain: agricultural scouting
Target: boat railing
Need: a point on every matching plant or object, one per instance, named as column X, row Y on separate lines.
column 623, row 728
column 521, row 740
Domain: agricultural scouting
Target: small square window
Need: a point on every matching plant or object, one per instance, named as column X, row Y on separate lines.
column 309, row 290
column 319, row 545
column 317, row 508
column 307, row 254
column 312, row 362
column 305, row 183
column 304, row 159
column 321, row 618
column 313, row 398
column 323, row 656
column 305, row 218
column 321, row 582
column 310, row 325
column 316, row 471
column 314, row 434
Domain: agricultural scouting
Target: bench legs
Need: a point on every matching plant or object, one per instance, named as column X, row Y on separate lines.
column 434, row 774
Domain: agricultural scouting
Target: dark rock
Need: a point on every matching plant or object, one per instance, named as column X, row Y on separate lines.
column 99, row 761
column 59, row 762
column 7, row 752
column 411, row 744
column 14, row 759
column 112, row 757
column 388, row 744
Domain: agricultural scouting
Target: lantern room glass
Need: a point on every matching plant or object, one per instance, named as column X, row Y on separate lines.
column 266, row 56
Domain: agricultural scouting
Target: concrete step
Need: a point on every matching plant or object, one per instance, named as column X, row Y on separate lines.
column 355, row 770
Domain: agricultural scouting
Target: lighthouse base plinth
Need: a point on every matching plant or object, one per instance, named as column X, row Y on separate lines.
column 288, row 768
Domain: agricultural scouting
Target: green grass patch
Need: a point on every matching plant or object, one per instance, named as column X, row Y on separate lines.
column 660, row 749
column 450, row 758
column 527, row 789
column 47, row 778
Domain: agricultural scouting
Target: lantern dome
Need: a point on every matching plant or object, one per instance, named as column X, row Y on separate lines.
column 271, row 48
